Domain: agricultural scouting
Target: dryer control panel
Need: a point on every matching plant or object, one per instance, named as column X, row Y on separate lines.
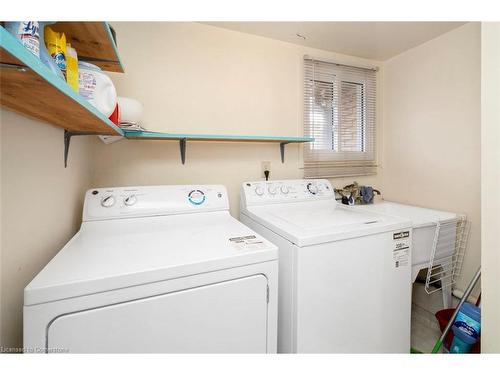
column 282, row 191
column 143, row 201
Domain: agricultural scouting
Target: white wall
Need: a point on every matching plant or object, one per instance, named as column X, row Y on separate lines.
column 490, row 174
column 432, row 130
column 203, row 79
column 41, row 206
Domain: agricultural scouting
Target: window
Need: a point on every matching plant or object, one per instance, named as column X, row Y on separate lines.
column 339, row 113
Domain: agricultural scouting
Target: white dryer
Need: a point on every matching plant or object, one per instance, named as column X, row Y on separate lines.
column 156, row 269
column 345, row 274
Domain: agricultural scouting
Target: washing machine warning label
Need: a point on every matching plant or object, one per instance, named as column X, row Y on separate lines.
column 247, row 243
column 401, row 250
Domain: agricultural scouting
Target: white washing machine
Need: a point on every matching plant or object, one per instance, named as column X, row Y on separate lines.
column 424, row 224
column 156, row 269
column 345, row 275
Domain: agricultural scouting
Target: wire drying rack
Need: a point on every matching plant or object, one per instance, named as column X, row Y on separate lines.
column 447, row 254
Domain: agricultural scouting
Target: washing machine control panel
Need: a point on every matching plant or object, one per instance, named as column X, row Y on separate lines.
column 280, row 191
column 143, row 201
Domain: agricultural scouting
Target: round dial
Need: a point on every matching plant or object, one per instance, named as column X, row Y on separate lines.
column 108, row 201
column 284, row 189
column 259, row 190
column 130, row 200
column 196, row 197
column 272, row 189
column 313, row 189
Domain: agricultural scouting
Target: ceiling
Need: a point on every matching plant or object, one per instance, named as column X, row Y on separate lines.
column 371, row 40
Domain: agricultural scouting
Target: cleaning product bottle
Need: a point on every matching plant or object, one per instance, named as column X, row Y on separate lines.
column 72, row 67
column 28, row 34
column 96, row 87
column 466, row 328
column 45, row 58
column 56, row 45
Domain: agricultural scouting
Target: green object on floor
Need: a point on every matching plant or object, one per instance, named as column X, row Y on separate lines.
column 437, row 346
column 415, row 351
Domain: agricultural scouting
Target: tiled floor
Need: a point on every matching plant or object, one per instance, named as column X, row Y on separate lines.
column 424, row 326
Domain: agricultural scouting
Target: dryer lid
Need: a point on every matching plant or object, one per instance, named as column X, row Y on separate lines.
column 111, row 254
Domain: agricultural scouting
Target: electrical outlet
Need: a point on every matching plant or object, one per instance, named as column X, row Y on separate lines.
column 266, row 166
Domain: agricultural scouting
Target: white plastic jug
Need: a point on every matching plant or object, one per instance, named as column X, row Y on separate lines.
column 96, row 87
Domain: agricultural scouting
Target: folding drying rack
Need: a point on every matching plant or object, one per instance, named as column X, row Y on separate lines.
column 447, row 254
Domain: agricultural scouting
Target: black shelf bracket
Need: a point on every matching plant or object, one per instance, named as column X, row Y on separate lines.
column 182, row 145
column 282, row 150
column 67, row 140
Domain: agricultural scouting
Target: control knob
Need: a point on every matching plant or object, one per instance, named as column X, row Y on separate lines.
column 259, row 190
column 108, row 201
column 313, row 189
column 197, row 197
column 284, row 189
column 130, row 200
column 272, row 189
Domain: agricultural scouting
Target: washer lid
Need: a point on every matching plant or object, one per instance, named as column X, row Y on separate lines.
column 310, row 223
column 106, row 255
column 419, row 216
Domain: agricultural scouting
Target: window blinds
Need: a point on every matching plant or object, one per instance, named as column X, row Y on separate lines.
column 339, row 113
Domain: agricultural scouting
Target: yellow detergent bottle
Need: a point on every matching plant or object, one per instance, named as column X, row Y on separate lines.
column 72, row 67
column 56, row 45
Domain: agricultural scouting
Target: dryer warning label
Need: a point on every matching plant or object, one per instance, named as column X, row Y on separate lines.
column 401, row 249
column 247, row 243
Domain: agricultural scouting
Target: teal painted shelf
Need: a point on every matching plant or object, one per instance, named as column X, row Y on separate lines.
column 213, row 137
column 184, row 138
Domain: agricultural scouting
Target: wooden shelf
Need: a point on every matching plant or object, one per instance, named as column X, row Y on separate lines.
column 184, row 138
column 28, row 87
column 93, row 42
